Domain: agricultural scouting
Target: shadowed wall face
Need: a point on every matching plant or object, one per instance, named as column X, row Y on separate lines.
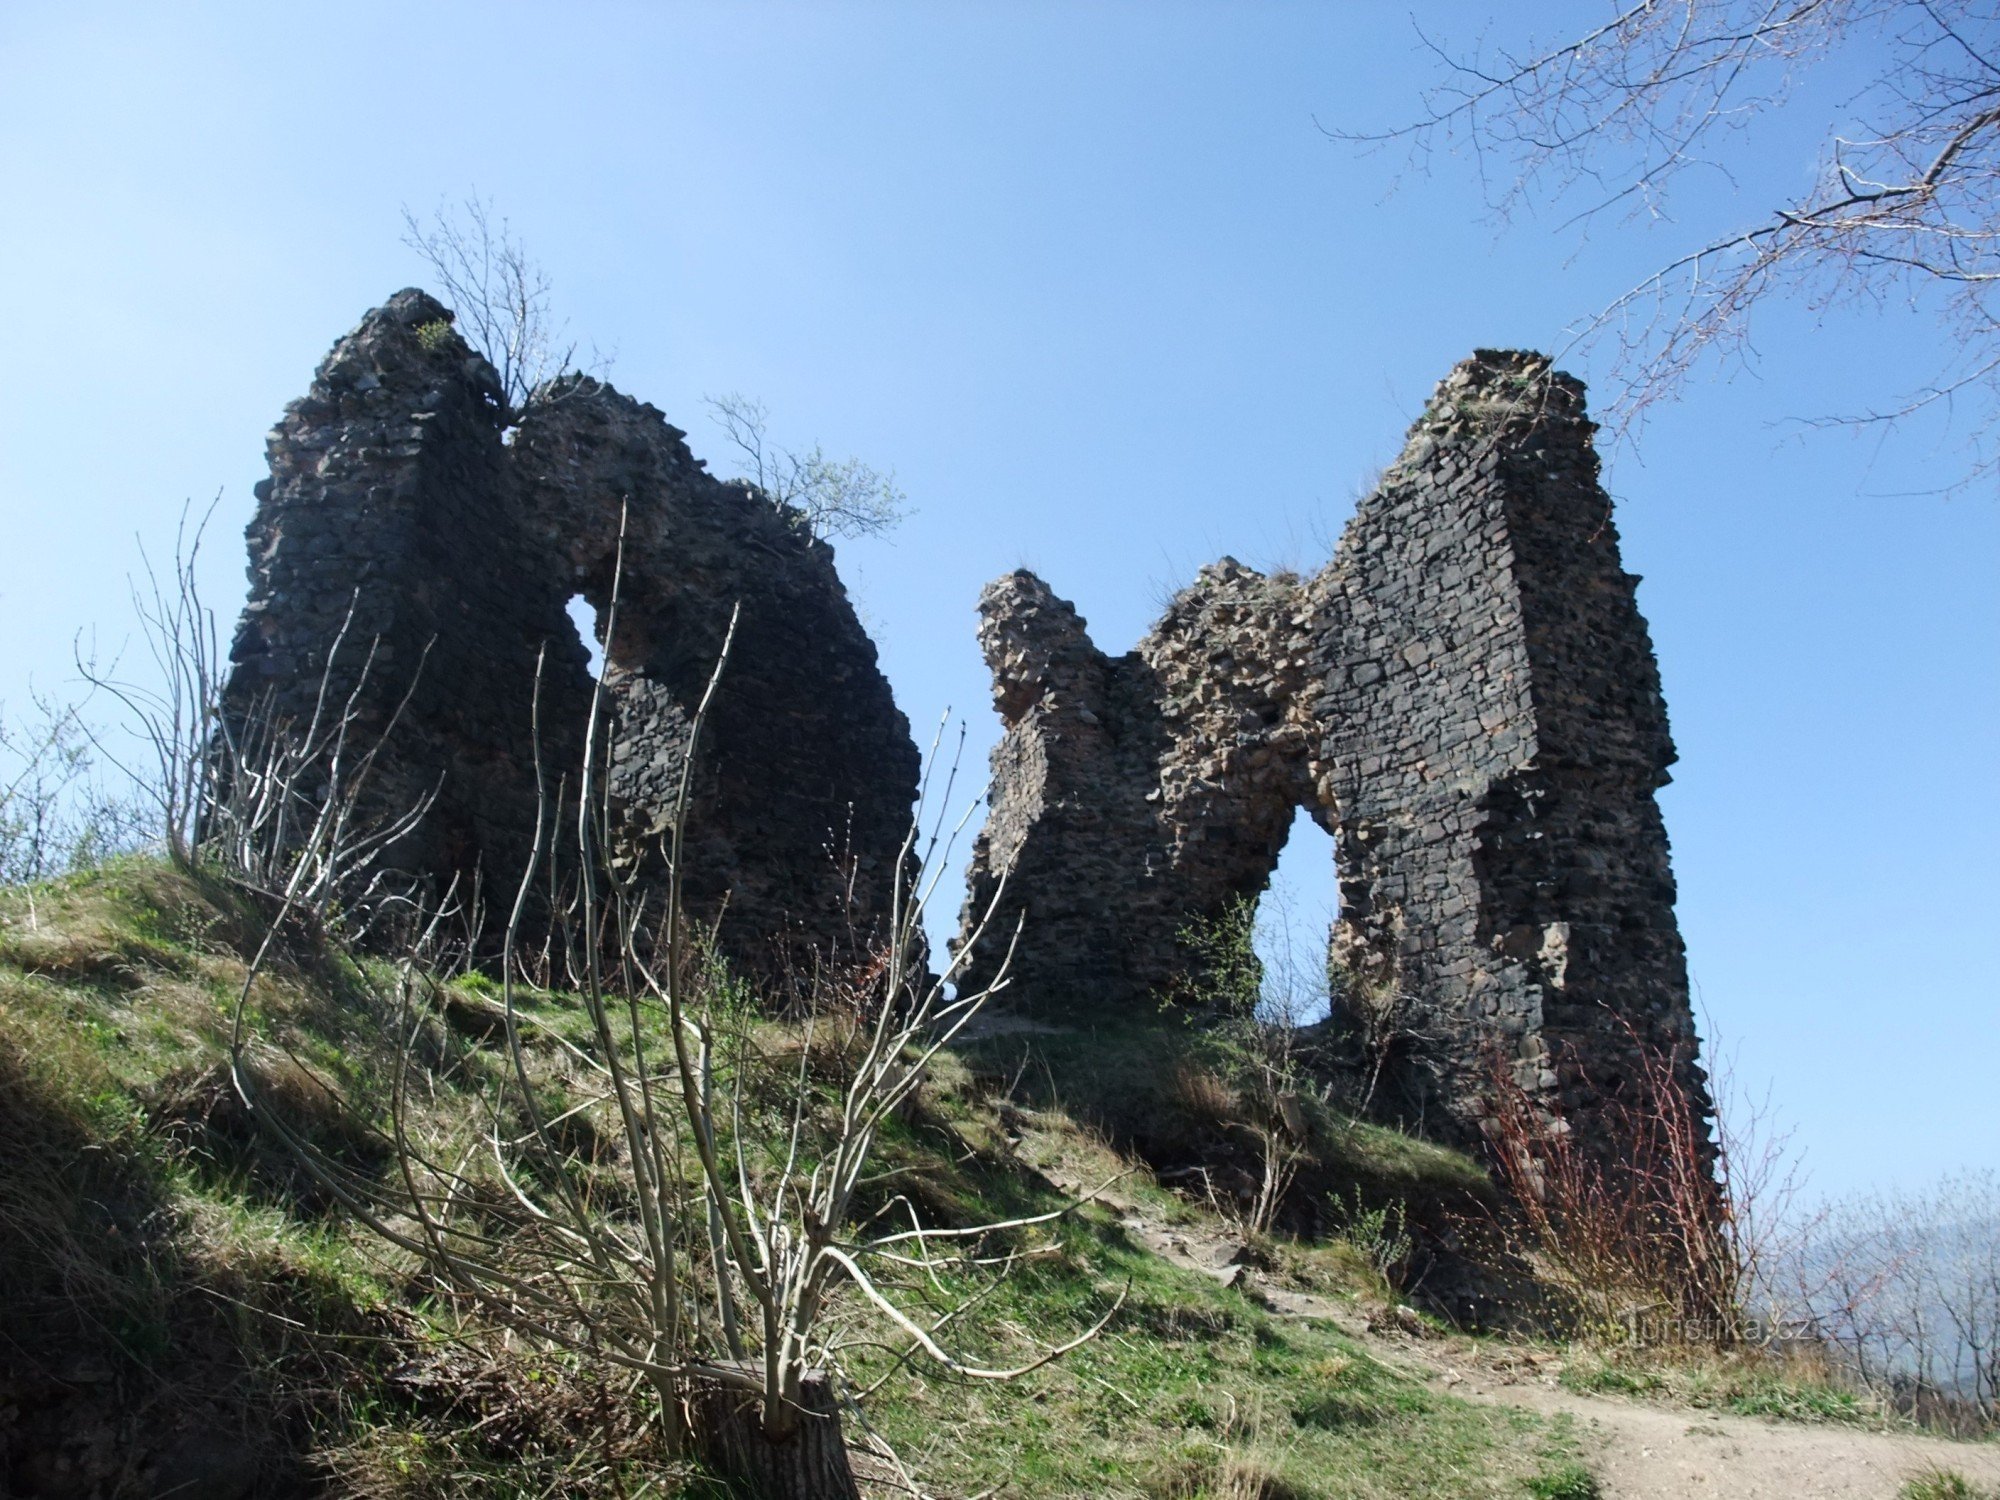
column 1134, row 795
column 393, row 494
column 806, row 773
column 1466, row 696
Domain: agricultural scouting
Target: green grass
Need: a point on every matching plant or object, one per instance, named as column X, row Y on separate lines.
column 1943, row 1484
column 1152, row 1085
column 1751, row 1384
column 151, row 1232
column 1569, row 1481
column 1189, row 1373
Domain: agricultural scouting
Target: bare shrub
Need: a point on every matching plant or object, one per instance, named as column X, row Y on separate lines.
column 1640, row 1233
column 1904, row 1287
column 278, row 806
column 656, row 1192
column 57, row 811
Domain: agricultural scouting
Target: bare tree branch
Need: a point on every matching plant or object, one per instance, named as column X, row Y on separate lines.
column 498, row 294
column 1904, row 209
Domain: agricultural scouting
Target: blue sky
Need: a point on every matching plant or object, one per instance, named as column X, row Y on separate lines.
column 1091, row 280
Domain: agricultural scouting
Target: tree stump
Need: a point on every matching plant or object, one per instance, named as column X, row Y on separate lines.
column 809, row 1463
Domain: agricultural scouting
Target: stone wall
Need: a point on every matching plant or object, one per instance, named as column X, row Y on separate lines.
column 806, row 773
column 390, row 496
column 397, row 493
column 1466, row 697
column 1134, row 795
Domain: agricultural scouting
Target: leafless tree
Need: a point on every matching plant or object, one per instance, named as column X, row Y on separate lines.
column 1904, row 209
column 56, row 812
column 1906, row 1285
column 499, row 294
column 733, row 1266
column 825, row 497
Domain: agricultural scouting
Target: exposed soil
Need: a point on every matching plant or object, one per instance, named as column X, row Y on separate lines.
column 1638, row 1450
column 1649, row 1452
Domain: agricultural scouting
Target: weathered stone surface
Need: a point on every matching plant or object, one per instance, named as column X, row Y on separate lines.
column 1133, row 795
column 806, row 773
column 390, row 496
column 1466, row 697
column 1502, row 858
column 395, row 494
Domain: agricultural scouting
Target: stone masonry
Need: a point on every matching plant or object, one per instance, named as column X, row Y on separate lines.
column 1466, row 697
column 1134, row 794
column 806, row 776
column 407, row 504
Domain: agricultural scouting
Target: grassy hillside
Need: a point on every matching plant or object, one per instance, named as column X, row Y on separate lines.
column 187, row 1312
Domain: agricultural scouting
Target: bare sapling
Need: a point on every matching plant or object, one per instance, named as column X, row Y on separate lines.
column 499, row 296
column 279, row 806
column 823, row 497
column 624, row 1197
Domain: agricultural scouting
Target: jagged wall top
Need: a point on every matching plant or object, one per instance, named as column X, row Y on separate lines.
column 1466, row 695
column 393, row 495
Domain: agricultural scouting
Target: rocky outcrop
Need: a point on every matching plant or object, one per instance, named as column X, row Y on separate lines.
column 440, row 551
column 1466, row 697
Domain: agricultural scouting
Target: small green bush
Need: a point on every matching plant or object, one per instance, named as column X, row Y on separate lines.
column 1570, row 1481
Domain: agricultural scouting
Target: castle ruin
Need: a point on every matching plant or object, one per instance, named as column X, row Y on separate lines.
column 1465, row 698
column 402, row 511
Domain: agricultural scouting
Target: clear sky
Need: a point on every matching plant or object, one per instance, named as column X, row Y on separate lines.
column 1091, row 280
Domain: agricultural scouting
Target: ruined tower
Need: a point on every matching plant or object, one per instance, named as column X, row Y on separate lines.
column 1466, row 697
column 407, row 523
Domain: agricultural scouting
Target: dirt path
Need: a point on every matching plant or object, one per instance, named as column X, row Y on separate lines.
column 1642, row 1451
column 1647, row 1452
column 1638, row 1451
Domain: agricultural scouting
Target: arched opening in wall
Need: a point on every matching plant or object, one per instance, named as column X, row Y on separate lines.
column 1294, row 916
column 583, row 615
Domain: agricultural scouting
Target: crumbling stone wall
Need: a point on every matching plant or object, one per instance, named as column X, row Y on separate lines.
column 806, row 773
column 1466, row 696
column 1495, row 735
column 1134, row 794
column 396, row 494
column 390, row 497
